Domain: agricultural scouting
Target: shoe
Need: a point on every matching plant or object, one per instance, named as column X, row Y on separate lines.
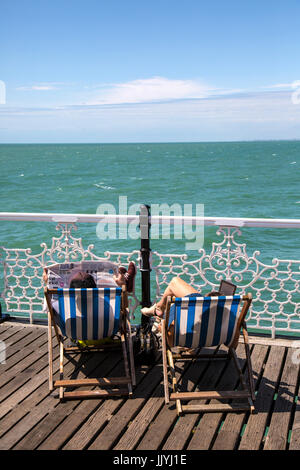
column 152, row 311
column 129, row 277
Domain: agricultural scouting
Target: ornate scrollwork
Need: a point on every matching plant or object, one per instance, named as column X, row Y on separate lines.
column 275, row 287
column 22, row 270
column 276, row 305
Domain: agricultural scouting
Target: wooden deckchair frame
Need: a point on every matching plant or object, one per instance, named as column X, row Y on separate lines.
column 169, row 359
column 109, row 386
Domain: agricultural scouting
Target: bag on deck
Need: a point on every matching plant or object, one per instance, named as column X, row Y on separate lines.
column 146, row 345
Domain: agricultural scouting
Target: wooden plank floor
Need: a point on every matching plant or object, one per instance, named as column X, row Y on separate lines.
column 31, row 418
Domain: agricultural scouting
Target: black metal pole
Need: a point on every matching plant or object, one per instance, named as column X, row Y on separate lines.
column 4, row 316
column 145, row 260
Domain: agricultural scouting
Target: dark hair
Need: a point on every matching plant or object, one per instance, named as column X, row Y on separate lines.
column 213, row 294
column 82, row 279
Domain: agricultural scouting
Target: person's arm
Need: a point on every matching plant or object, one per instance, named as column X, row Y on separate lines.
column 45, row 275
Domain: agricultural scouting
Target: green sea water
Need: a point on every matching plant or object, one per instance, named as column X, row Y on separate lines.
column 242, row 179
column 239, row 179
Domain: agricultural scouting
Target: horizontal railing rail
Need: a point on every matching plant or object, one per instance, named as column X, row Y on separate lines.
column 153, row 219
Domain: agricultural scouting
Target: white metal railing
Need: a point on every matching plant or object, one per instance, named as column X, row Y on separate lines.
column 154, row 219
column 275, row 287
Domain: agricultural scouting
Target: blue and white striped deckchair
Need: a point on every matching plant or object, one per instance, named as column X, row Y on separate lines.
column 208, row 321
column 203, row 322
column 90, row 315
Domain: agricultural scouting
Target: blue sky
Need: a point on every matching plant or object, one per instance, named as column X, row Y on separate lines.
column 134, row 71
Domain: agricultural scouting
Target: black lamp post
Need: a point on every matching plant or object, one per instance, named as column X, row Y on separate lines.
column 145, row 261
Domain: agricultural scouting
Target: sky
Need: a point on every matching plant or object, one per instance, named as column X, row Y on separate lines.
column 141, row 71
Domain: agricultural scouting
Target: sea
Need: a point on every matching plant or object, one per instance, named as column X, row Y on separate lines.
column 227, row 179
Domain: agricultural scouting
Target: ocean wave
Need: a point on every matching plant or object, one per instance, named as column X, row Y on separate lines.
column 103, row 186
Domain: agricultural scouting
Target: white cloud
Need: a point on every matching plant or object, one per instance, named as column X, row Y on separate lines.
column 153, row 109
column 240, row 116
column 291, row 85
column 150, row 90
column 43, row 87
column 39, row 87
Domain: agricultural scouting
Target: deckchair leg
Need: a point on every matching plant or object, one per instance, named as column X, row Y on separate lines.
column 61, row 368
column 131, row 357
column 174, row 381
column 50, row 353
column 165, row 365
column 249, row 366
column 123, row 342
column 124, row 324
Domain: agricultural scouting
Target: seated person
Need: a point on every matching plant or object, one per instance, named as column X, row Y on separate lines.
column 124, row 277
column 177, row 288
column 84, row 280
column 81, row 280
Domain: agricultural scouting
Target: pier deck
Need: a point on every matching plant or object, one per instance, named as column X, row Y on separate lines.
column 31, row 418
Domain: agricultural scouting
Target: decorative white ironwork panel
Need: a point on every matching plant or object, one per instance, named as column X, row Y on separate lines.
column 22, row 270
column 275, row 287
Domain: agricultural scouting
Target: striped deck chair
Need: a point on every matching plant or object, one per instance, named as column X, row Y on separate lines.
column 203, row 322
column 87, row 315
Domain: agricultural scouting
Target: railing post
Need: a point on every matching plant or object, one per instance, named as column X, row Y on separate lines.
column 4, row 317
column 145, row 260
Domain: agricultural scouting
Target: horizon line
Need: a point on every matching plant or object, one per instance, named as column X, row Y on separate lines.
column 295, row 139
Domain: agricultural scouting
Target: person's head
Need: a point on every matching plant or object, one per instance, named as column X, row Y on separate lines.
column 213, row 293
column 82, row 279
